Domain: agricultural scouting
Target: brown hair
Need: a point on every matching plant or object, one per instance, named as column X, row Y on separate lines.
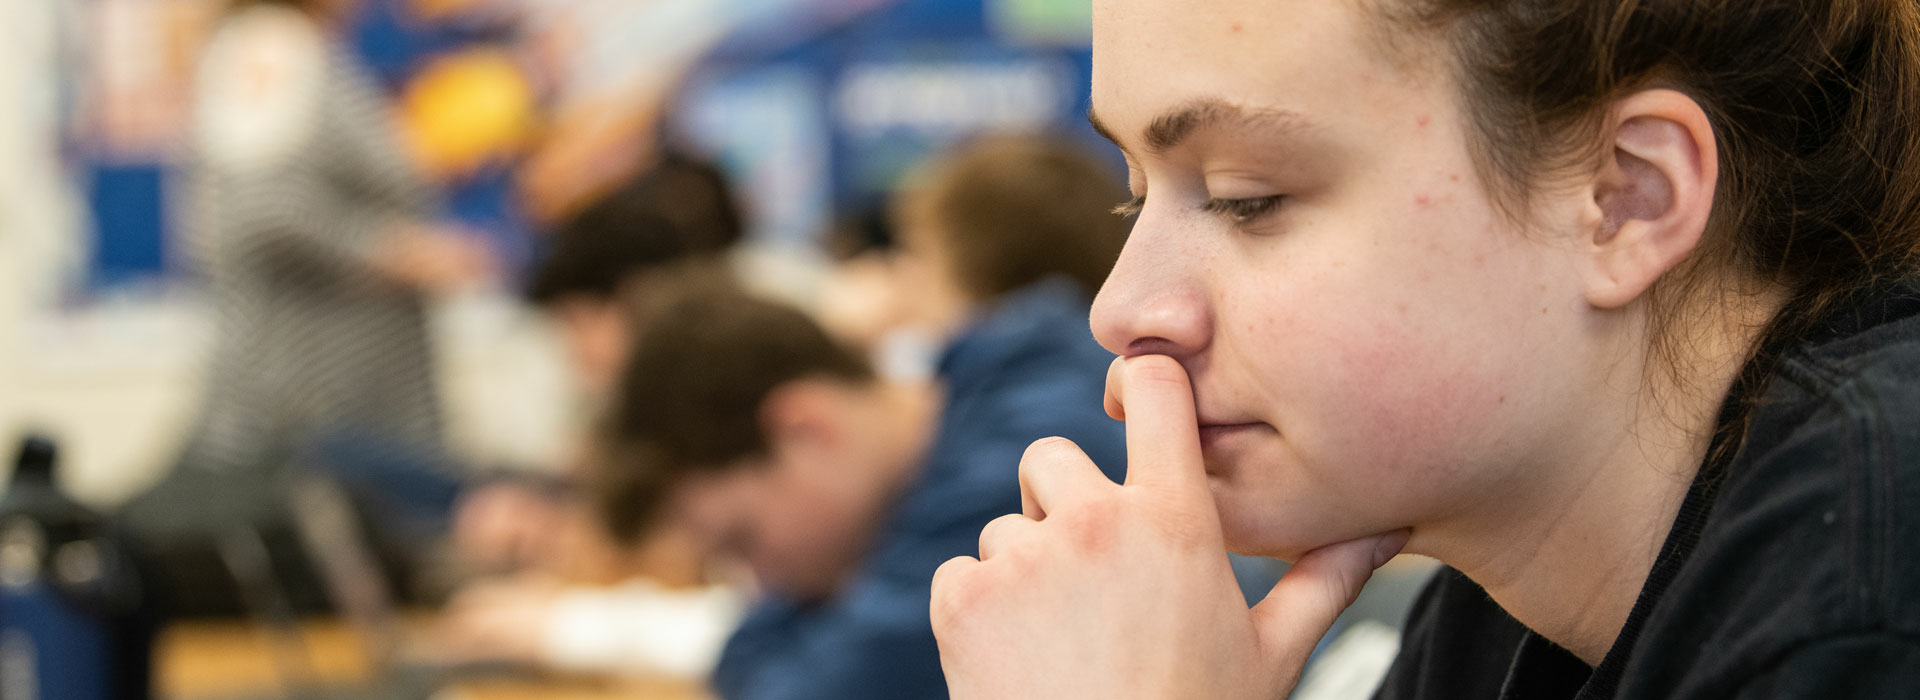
column 1815, row 105
column 705, row 357
column 1015, row 209
column 680, row 208
column 302, row 5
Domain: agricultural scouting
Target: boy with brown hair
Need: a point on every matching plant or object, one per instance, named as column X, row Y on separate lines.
column 842, row 490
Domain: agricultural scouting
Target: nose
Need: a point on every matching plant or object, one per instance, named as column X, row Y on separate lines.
column 1153, row 303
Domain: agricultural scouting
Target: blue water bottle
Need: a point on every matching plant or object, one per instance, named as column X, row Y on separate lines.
column 72, row 622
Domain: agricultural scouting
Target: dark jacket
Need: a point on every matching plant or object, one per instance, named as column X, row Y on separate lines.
column 1791, row 572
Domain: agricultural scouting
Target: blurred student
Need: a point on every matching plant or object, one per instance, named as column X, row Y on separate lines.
column 677, row 210
column 841, row 490
column 311, row 227
column 574, row 598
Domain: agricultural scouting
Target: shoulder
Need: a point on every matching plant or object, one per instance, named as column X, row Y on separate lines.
column 1026, row 332
column 1867, row 664
column 1028, row 369
column 1815, row 532
column 1825, row 492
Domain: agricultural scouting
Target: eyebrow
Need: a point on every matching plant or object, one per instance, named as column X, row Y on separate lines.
column 1175, row 126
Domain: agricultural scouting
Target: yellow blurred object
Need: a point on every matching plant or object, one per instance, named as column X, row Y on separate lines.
column 438, row 9
column 467, row 108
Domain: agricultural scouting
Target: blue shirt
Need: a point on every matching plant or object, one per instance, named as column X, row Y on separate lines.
column 1026, row 369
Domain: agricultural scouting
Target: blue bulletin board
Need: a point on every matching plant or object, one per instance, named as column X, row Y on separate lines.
column 892, row 83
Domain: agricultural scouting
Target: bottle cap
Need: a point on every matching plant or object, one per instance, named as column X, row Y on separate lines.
column 37, row 455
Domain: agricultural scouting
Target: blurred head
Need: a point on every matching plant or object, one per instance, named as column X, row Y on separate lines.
column 1416, row 254
column 1002, row 212
column 680, row 209
column 741, row 420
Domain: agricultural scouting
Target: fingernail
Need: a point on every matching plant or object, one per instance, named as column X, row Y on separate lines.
column 1389, row 545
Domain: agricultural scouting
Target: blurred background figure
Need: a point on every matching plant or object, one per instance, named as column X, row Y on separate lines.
column 316, row 238
column 782, row 447
column 314, row 232
column 567, row 595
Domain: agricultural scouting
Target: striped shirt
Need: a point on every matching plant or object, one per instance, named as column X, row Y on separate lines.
column 295, row 178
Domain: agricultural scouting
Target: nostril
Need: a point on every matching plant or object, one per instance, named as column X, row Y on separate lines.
column 1152, row 346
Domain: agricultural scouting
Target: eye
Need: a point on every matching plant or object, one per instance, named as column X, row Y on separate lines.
column 1242, row 211
column 1130, row 208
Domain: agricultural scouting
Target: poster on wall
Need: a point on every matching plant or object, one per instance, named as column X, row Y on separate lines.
column 136, row 64
column 767, row 128
column 137, row 75
column 1066, row 23
column 898, row 81
column 895, row 104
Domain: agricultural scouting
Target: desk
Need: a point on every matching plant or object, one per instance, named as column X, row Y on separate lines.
column 225, row 659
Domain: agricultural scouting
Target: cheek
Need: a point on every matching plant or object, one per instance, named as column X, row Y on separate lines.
column 1402, row 398
column 789, row 548
column 803, row 529
column 1385, row 419
column 1400, row 364
column 1382, row 394
column 792, row 527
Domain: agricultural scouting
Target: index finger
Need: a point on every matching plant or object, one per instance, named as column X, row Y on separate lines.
column 1152, row 394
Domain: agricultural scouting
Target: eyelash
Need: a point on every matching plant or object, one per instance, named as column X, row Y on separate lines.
column 1240, row 211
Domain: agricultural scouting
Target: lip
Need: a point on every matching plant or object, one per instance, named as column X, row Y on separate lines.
column 1221, row 443
column 1212, row 434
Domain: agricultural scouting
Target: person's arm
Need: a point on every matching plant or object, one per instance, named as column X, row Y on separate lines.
column 286, row 225
column 1862, row 666
column 306, row 173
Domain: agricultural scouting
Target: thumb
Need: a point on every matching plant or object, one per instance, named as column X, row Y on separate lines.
column 1301, row 608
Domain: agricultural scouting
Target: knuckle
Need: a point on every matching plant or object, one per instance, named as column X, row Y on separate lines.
column 954, row 594
column 1332, row 594
column 1047, row 450
column 998, row 530
column 1343, row 587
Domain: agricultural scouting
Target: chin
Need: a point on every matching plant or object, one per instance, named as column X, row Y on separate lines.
column 1251, row 527
column 1246, row 515
column 1246, row 532
column 805, row 590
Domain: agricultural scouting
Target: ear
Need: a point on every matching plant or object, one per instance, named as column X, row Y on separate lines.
column 1654, row 192
column 801, row 415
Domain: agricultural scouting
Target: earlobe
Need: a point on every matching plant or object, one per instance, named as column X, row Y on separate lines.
column 1654, row 191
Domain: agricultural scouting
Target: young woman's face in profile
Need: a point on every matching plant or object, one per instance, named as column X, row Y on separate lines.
column 1372, row 344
